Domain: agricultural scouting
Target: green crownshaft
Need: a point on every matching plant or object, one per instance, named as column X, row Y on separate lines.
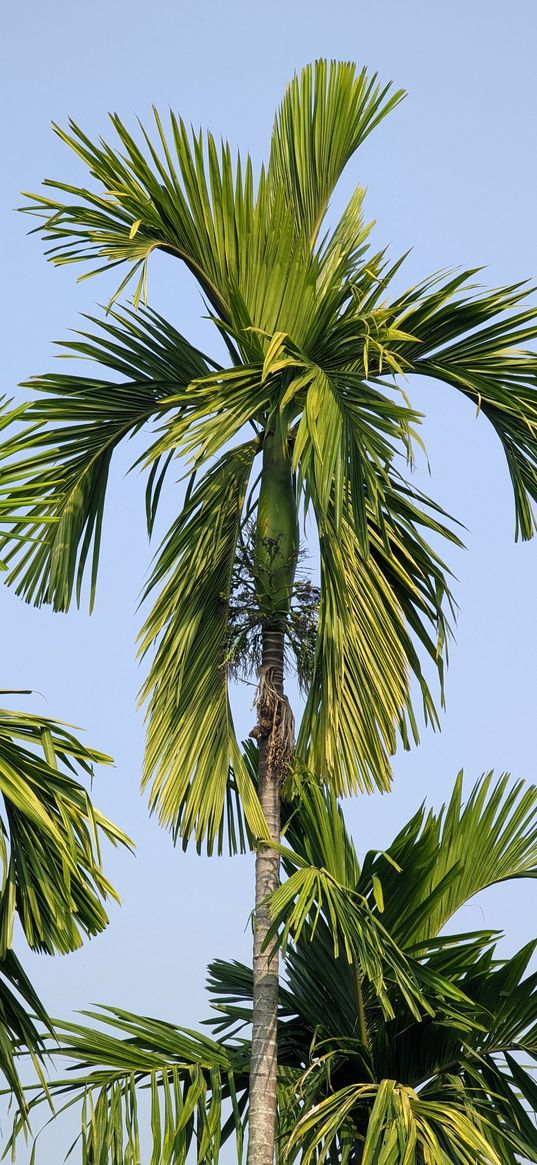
column 276, row 549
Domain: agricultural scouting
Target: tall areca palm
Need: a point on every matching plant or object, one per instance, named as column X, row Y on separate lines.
column 358, row 1082
column 316, row 341
column 51, row 876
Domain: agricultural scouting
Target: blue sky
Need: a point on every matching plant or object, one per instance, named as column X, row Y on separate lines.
column 451, row 175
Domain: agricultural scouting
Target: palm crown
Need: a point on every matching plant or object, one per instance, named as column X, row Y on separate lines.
column 315, row 346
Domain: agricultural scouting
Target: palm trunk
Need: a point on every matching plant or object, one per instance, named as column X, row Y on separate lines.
column 263, row 1065
column 276, row 555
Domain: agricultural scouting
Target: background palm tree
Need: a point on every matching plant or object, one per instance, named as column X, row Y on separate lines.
column 361, row 1078
column 52, row 880
column 315, row 339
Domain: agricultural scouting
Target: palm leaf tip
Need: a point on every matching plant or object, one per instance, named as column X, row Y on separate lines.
column 328, row 110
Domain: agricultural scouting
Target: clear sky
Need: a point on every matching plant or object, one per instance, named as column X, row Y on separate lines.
column 452, row 174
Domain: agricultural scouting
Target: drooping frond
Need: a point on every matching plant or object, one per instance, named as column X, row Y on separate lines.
column 400, row 1127
column 52, row 876
column 477, row 343
column 190, row 1089
column 54, row 469
column 373, row 612
column 23, row 1020
column 191, row 742
column 310, row 893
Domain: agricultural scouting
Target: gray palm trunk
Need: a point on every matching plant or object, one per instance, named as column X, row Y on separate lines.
column 263, row 1065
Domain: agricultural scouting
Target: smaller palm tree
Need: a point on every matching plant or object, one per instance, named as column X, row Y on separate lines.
column 52, row 879
column 366, row 1075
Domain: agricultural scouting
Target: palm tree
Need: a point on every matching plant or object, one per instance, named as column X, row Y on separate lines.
column 305, row 414
column 360, row 1080
column 52, row 879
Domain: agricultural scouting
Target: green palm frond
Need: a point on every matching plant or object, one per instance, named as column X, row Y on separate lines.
column 311, row 893
column 477, row 344
column 191, row 742
column 51, row 875
column 23, row 1021
column 219, row 405
column 147, row 201
column 54, row 469
column 373, row 613
column 446, row 1060
column 326, row 113
column 401, row 1128
column 191, row 1088
column 449, row 857
column 187, row 198
column 50, row 837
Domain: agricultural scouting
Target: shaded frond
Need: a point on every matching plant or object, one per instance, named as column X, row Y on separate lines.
column 311, row 892
column 51, row 874
column 23, row 1021
column 401, row 1127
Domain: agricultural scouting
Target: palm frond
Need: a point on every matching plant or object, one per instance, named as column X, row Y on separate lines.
column 449, row 857
column 184, row 196
column 23, row 1021
column 54, row 469
column 326, row 113
column 454, row 1082
column 219, row 405
column 191, row 742
column 401, row 1128
column 190, row 1089
column 311, row 892
column 52, row 875
column 373, row 613
column 143, row 201
column 477, row 344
